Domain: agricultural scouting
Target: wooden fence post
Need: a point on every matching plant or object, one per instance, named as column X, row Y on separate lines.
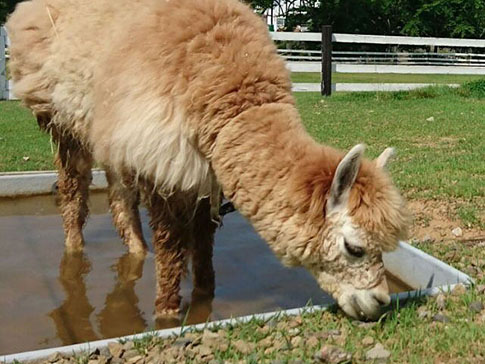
column 3, row 65
column 326, row 86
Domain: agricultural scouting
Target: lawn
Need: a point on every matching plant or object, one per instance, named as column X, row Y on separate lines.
column 435, row 132
column 22, row 146
column 383, row 78
column 439, row 135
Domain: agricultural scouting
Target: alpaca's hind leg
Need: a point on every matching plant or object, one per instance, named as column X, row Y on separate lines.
column 169, row 243
column 203, row 237
column 124, row 198
column 74, row 163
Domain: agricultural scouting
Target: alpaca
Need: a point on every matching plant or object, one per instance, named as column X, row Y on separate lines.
column 189, row 98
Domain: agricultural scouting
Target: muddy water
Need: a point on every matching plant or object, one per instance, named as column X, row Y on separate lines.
column 48, row 298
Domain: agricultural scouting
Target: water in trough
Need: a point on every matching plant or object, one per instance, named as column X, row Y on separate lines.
column 48, row 298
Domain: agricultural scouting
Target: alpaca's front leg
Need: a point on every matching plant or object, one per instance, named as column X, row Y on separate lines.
column 170, row 265
column 170, row 254
column 124, row 199
column 74, row 163
column 203, row 237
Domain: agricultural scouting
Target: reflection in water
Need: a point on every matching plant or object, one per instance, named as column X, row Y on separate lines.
column 197, row 311
column 121, row 315
column 71, row 318
column 200, row 308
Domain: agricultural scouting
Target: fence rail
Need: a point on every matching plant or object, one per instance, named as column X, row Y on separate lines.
column 316, row 67
column 4, row 83
column 452, row 63
column 407, row 58
column 381, row 39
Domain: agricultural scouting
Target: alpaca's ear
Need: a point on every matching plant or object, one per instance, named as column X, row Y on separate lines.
column 383, row 159
column 344, row 178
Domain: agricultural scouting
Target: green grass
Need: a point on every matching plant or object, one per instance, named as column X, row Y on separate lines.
column 383, row 78
column 439, row 158
column 471, row 215
column 21, row 139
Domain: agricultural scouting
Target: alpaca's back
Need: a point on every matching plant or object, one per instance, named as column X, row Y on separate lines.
column 56, row 48
column 147, row 84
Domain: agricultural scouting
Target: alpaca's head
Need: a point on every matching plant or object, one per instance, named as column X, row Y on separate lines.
column 364, row 215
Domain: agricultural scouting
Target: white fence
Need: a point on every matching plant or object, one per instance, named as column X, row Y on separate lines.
column 382, row 39
column 396, row 58
column 452, row 63
column 4, row 83
column 316, row 67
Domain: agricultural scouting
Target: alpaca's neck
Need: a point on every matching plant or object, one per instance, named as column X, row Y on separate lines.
column 255, row 158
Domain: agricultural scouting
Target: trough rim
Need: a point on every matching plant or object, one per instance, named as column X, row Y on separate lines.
column 401, row 297
column 35, row 183
column 39, row 172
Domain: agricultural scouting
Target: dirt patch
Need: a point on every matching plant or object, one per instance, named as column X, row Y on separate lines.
column 433, row 142
column 436, row 220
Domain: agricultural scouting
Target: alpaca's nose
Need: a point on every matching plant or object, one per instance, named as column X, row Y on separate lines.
column 380, row 293
column 382, row 299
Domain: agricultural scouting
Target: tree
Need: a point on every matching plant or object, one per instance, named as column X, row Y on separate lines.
column 6, row 7
column 432, row 18
column 448, row 18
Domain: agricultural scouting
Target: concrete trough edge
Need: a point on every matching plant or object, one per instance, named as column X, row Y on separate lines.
column 461, row 278
column 36, row 183
column 165, row 333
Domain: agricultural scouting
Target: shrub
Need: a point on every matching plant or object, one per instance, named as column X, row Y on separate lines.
column 473, row 89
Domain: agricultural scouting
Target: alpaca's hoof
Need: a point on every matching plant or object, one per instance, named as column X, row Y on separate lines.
column 74, row 243
column 137, row 249
column 136, row 246
column 167, row 322
column 167, row 313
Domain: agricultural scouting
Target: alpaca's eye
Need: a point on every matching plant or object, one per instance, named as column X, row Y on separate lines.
column 353, row 250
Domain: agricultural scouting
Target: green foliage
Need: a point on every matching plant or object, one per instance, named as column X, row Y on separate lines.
column 365, row 16
column 433, row 18
column 447, row 18
column 6, row 7
column 261, row 5
column 3, row 11
column 427, row 18
column 473, row 89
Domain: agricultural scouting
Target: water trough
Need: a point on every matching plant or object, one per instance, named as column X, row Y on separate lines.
column 43, row 292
